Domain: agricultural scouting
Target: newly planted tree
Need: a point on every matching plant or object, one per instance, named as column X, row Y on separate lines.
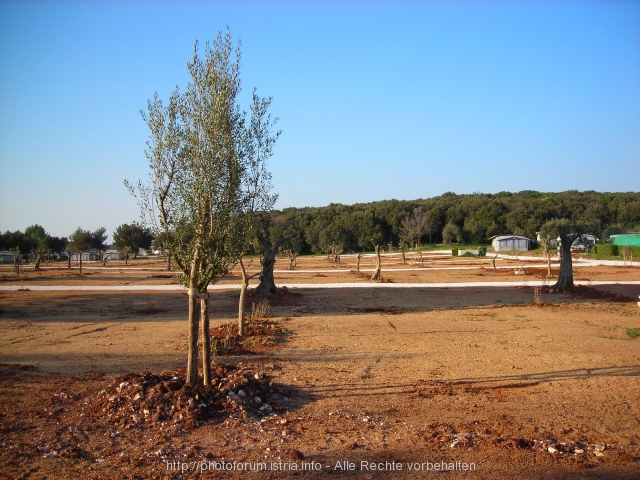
column 200, row 189
column 545, row 242
column 259, row 140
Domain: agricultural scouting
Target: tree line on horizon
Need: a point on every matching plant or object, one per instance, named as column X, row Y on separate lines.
column 451, row 218
column 448, row 218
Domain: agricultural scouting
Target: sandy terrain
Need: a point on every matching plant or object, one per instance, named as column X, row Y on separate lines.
column 363, row 383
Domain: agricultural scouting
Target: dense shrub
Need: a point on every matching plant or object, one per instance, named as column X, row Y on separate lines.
column 606, row 249
column 454, row 252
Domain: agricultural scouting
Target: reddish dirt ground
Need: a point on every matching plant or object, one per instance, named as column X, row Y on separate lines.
column 358, row 383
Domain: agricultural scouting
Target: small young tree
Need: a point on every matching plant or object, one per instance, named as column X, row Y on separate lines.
column 545, row 242
column 160, row 243
column 200, row 188
column 17, row 260
column 403, row 251
column 124, row 252
column 259, row 141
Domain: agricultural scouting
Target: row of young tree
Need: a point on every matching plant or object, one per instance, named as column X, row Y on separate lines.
column 35, row 242
column 451, row 218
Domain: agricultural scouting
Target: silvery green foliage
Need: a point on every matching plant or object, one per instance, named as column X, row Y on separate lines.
column 207, row 165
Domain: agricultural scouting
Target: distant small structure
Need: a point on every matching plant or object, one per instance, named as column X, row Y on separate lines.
column 632, row 239
column 86, row 257
column 6, row 257
column 584, row 242
column 502, row 243
column 112, row 253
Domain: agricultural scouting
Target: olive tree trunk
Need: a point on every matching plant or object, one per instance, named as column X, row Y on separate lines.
column 38, row 259
column 267, row 284
column 565, row 276
column 243, row 293
column 378, row 273
column 206, row 339
column 194, row 320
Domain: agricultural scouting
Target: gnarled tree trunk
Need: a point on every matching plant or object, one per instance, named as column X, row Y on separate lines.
column 293, row 256
column 565, row 276
column 38, row 259
column 377, row 275
column 267, row 284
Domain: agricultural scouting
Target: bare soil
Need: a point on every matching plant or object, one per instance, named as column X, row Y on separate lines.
column 358, row 383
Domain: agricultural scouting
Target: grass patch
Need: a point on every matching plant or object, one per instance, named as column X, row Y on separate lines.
column 633, row 333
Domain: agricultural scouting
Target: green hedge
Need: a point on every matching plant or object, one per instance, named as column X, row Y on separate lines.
column 482, row 251
column 614, row 250
column 606, row 249
column 454, row 252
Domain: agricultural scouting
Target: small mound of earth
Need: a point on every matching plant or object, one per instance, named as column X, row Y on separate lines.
column 260, row 334
column 282, row 298
column 139, row 400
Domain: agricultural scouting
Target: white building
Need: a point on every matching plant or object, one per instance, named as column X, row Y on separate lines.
column 86, row 257
column 503, row 243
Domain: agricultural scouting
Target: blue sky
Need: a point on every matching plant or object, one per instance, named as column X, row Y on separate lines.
column 376, row 99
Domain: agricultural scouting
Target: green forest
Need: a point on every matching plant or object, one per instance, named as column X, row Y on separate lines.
column 451, row 218
column 448, row 218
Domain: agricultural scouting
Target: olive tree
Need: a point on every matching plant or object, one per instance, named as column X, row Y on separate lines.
column 80, row 241
column 567, row 231
column 200, row 186
column 132, row 237
column 259, row 141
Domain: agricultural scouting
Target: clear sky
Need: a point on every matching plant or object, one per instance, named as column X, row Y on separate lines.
column 376, row 99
